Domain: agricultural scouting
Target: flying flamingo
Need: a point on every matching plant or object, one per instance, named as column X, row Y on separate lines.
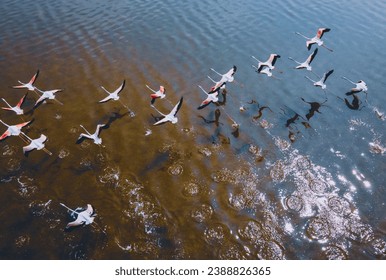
column 84, row 216
column 171, row 117
column 13, row 130
column 317, row 39
column 37, row 144
column 28, row 85
column 95, row 137
column 359, row 86
column 47, row 94
column 211, row 97
column 17, row 109
column 322, row 82
column 227, row 77
column 269, row 63
column 306, row 64
column 157, row 94
column 113, row 95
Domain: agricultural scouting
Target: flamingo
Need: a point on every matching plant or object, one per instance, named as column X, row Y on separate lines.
column 211, row 97
column 84, row 216
column 28, row 85
column 227, row 77
column 263, row 70
column 113, row 95
column 13, row 130
column 322, row 82
column 95, row 137
column 269, row 63
column 17, row 109
column 317, row 39
column 306, row 64
column 217, row 85
column 359, row 86
column 157, row 94
column 47, row 94
column 37, row 144
column 171, row 117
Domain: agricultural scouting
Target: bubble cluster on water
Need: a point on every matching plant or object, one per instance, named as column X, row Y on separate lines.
column 13, row 164
column 205, row 151
column 334, row 252
column 22, row 241
column 202, row 213
column 9, row 150
column 64, row 152
column 110, row 176
column 216, row 234
column 272, row 250
column 191, row 189
column 26, row 186
column 231, row 251
column 175, row 169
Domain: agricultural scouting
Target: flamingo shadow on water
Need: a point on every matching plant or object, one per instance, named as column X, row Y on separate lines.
column 315, row 106
column 216, row 121
column 355, row 103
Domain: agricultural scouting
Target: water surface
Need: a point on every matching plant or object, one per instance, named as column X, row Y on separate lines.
column 288, row 184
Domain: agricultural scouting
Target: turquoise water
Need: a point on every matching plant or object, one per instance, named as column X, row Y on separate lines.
column 199, row 189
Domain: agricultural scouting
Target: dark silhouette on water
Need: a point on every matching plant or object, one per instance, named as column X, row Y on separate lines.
column 314, row 108
column 260, row 113
column 216, row 121
column 355, row 104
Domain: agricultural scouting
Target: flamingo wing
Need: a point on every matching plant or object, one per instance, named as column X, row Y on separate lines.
column 321, row 31
column 33, row 79
column 20, row 125
column 105, row 99
column 326, row 75
column 21, row 101
column 121, row 87
column 29, row 147
column 5, row 135
column 177, row 107
column 312, row 56
column 163, row 120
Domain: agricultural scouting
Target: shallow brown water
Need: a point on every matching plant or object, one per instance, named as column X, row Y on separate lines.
column 197, row 189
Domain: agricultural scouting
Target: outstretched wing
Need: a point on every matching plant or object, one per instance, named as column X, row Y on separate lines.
column 28, row 148
column 121, row 87
column 33, row 79
column 163, row 120
column 98, row 128
column 273, row 58
column 177, row 107
column 7, row 108
column 42, row 138
column 78, row 222
column 204, row 103
column 105, row 99
column 312, row 56
column 21, row 101
column 326, row 75
column 321, row 31
column 85, row 136
column 5, row 135
column 41, row 98
column 20, row 125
